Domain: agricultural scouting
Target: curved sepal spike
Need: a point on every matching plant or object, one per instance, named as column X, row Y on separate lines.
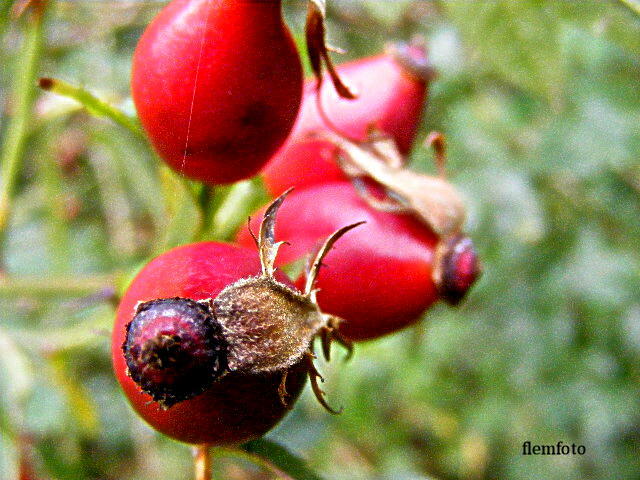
column 345, row 342
column 334, row 335
column 282, row 389
column 314, row 269
column 253, row 235
column 318, row 51
column 315, row 387
column 267, row 245
column 436, row 141
column 325, row 342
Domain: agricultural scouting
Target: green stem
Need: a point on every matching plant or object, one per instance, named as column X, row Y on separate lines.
column 73, row 286
column 25, row 75
column 93, row 104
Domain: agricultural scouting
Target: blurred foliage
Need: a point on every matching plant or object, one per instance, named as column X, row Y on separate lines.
column 539, row 100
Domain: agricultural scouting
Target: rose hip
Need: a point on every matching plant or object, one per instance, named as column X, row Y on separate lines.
column 217, row 86
column 392, row 88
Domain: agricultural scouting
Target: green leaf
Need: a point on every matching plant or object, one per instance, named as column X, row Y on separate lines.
column 282, row 458
column 9, row 457
column 184, row 217
column 116, row 202
column 604, row 21
column 139, row 170
column 518, row 41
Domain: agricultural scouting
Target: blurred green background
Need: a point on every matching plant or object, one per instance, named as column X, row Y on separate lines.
column 540, row 101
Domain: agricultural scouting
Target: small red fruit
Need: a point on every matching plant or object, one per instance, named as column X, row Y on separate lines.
column 217, row 86
column 378, row 279
column 391, row 88
column 231, row 409
column 210, row 346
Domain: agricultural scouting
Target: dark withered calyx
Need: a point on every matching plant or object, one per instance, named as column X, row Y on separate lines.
column 174, row 349
column 456, row 268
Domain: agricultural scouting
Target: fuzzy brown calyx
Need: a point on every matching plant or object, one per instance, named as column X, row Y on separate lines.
column 174, row 349
column 268, row 325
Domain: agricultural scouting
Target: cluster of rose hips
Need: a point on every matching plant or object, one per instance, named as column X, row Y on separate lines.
column 211, row 344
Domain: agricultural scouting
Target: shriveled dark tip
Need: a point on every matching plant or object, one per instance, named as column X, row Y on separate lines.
column 459, row 270
column 413, row 57
column 174, row 349
column 46, row 83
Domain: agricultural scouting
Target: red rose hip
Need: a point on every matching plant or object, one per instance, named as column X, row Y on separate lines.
column 211, row 347
column 392, row 89
column 217, row 86
column 231, row 409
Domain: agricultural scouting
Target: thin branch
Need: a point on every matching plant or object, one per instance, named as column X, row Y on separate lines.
column 62, row 287
column 93, row 104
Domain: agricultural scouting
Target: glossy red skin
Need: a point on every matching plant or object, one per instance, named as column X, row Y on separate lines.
column 391, row 98
column 377, row 276
column 237, row 407
column 248, row 90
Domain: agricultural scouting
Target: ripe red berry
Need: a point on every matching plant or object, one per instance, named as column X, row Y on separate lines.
column 231, row 409
column 379, row 277
column 210, row 347
column 392, row 88
column 217, row 86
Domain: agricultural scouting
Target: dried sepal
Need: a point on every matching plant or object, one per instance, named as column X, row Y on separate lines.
column 318, row 50
column 314, row 268
column 282, row 389
column 330, row 333
column 268, row 325
column 267, row 246
column 314, row 375
column 433, row 200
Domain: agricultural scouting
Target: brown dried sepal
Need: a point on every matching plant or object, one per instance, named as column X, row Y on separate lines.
column 431, row 199
column 318, row 50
